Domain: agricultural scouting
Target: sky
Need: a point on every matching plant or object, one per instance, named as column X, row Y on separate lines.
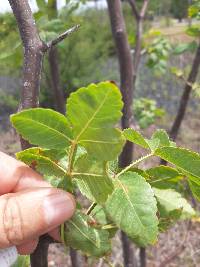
column 4, row 5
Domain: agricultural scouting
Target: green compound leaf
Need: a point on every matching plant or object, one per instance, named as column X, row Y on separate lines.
column 194, row 184
column 132, row 207
column 163, row 176
column 171, row 200
column 135, row 137
column 93, row 113
column 43, row 127
column 92, row 180
column 184, row 159
column 34, row 158
column 80, row 234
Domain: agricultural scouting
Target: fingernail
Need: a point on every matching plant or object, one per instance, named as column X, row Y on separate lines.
column 58, row 208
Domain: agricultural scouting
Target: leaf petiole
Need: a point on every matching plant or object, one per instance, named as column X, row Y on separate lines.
column 134, row 163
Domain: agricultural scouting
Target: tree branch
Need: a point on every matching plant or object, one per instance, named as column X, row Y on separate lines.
column 61, row 37
column 33, row 49
column 134, row 9
column 185, row 96
column 144, row 9
column 126, row 79
column 139, row 16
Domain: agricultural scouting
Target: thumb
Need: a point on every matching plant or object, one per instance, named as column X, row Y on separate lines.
column 28, row 214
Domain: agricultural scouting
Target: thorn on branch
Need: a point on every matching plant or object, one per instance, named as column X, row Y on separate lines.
column 61, row 37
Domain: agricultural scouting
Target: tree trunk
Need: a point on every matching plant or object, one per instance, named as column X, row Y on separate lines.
column 126, row 79
column 34, row 50
column 33, row 56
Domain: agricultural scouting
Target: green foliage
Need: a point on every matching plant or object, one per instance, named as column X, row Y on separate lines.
column 81, row 234
column 187, row 47
column 146, row 112
column 11, row 50
column 132, row 207
column 41, row 162
column 184, row 159
column 193, row 31
column 194, row 10
column 171, row 200
column 89, row 112
column 79, row 151
column 136, row 137
column 158, row 54
column 194, row 183
column 91, row 175
column 8, row 102
column 22, row 261
column 180, row 9
column 39, row 128
column 163, row 177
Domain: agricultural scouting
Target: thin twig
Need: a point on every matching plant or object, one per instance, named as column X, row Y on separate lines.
column 61, row 37
column 144, row 8
column 134, row 8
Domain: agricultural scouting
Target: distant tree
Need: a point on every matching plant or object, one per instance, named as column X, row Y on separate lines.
column 179, row 9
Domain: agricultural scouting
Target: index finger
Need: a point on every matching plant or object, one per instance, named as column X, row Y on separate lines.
column 16, row 176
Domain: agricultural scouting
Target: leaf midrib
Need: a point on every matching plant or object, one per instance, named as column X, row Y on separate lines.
column 83, row 234
column 49, row 161
column 93, row 116
column 126, row 193
column 46, row 126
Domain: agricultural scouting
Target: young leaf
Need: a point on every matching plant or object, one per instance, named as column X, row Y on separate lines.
column 171, row 200
column 135, row 137
column 182, row 158
column 92, row 180
column 44, row 165
column 80, row 234
column 93, row 113
column 132, row 207
column 43, row 127
column 162, row 136
column 153, row 144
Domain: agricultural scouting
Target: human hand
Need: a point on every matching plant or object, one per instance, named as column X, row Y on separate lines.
column 29, row 207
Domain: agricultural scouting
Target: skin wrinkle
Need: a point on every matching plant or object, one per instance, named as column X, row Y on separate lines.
column 22, row 209
column 16, row 228
column 4, row 235
column 12, row 221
